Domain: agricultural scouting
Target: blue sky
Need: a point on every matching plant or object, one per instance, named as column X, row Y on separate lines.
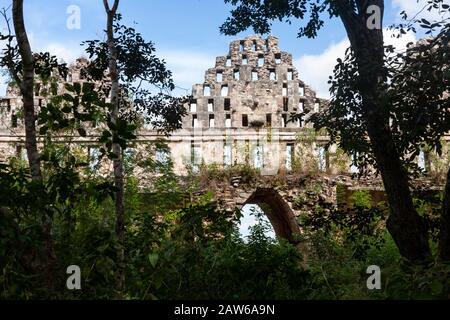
column 186, row 34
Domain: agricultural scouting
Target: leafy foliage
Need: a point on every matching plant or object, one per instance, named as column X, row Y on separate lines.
column 10, row 59
column 141, row 72
column 260, row 14
column 179, row 248
column 415, row 100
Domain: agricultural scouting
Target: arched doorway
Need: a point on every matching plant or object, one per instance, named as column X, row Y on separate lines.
column 278, row 212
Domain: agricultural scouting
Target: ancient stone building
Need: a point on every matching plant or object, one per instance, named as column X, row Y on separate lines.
column 12, row 133
column 242, row 111
column 240, row 114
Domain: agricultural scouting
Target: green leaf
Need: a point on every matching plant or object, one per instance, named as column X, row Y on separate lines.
column 70, row 87
column 66, row 109
column 68, row 97
column 153, row 258
column 77, row 87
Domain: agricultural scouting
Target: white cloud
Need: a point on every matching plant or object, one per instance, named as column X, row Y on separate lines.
column 315, row 70
column 62, row 52
column 188, row 67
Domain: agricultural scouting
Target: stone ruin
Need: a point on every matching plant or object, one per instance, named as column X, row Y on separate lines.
column 241, row 114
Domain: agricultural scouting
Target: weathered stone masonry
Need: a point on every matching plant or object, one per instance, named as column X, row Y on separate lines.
column 240, row 114
column 242, row 111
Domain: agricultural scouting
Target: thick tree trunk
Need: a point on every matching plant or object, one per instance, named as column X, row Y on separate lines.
column 444, row 241
column 26, row 84
column 404, row 223
column 27, row 89
column 118, row 163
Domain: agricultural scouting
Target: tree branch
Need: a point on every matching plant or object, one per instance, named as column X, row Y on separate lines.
column 112, row 10
column 9, row 56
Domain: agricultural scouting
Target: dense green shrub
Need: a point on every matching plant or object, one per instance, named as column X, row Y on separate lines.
column 180, row 247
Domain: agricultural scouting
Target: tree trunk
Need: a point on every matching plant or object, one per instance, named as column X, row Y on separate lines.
column 404, row 223
column 27, row 90
column 26, row 85
column 444, row 241
column 117, row 150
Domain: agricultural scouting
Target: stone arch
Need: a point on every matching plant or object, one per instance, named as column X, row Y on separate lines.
column 278, row 211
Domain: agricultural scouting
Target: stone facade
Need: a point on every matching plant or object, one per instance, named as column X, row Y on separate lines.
column 240, row 114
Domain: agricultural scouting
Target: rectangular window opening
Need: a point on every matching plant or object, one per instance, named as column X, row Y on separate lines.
column 247, row 152
column 278, row 58
column 196, row 157
column 301, row 91
column 219, row 76
column 193, row 107
column 224, row 91
column 194, row 121
column 290, row 75
column 210, row 105
column 94, row 157
column 285, row 90
column 289, row 156
column 206, row 90
column 260, row 61
column 322, row 159
column 269, row 119
column 272, row 75
column 228, row 121
column 354, row 169
column 227, row 154
column 285, row 104
column 237, row 75
column 162, row 158
column 245, row 120
column 284, row 120
column 8, row 105
column 14, row 121
column 421, row 161
column 316, row 107
column 258, row 156
column 227, row 104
